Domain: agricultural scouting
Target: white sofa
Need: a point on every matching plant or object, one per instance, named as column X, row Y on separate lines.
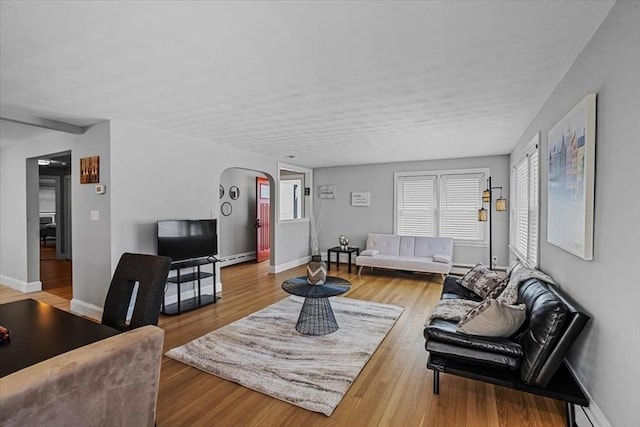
column 412, row 253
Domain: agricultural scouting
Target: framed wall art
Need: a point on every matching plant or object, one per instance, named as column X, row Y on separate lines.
column 327, row 191
column 571, row 165
column 90, row 170
column 359, row 198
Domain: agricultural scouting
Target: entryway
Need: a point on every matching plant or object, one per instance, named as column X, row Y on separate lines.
column 54, row 212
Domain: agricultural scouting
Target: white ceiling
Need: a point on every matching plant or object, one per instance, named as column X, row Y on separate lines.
column 332, row 83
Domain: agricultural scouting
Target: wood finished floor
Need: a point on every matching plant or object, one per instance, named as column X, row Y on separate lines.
column 393, row 389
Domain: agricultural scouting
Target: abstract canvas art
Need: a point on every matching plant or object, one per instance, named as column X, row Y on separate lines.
column 571, row 164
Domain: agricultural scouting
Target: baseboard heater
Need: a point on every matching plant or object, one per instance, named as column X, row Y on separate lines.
column 228, row 260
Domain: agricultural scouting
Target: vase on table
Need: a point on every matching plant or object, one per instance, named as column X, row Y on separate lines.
column 316, row 270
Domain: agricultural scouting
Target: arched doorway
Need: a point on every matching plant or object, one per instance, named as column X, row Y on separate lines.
column 242, row 202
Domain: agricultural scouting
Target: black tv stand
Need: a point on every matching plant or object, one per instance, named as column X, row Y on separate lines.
column 199, row 300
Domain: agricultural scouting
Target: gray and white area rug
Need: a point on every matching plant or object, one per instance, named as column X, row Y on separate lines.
column 264, row 352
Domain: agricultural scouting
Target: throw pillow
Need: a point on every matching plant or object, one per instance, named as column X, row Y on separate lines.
column 442, row 258
column 370, row 252
column 481, row 280
column 493, row 319
column 515, row 265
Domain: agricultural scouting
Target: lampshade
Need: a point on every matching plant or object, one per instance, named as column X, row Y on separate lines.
column 483, row 214
column 486, row 196
column 501, row 204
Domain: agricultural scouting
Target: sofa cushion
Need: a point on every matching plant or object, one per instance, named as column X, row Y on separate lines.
column 445, row 331
column 387, row 244
column 481, row 280
column 477, row 356
column 407, row 246
column 493, row 319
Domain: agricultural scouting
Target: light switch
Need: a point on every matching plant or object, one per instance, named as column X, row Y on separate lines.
column 95, row 215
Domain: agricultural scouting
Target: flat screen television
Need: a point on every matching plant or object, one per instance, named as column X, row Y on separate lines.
column 182, row 239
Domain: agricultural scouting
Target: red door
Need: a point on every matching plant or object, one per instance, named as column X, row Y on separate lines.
column 263, row 194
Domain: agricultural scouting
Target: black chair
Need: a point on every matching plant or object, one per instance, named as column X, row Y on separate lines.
column 150, row 272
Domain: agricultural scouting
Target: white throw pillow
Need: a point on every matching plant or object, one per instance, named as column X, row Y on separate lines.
column 370, row 252
column 442, row 258
column 493, row 319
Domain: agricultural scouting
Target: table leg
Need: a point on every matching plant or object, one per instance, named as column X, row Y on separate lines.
column 328, row 260
column 350, row 261
column 316, row 317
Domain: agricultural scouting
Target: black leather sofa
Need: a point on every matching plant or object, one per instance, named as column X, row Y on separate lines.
column 532, row 360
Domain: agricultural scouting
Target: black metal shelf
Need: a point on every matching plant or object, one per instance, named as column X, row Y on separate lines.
column 199, row 300
column 190, row 277
column 189, row 304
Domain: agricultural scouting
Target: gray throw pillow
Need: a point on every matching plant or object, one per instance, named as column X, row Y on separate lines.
column 493, row 319
column 483, row 281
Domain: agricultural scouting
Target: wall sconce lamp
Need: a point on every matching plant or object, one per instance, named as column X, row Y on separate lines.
column 484, row 215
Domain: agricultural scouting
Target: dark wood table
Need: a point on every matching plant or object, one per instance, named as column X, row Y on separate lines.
column 340, row 250
column 316, row 316
column 40, row 331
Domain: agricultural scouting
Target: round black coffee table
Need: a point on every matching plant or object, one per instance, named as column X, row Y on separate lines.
column 316, row 316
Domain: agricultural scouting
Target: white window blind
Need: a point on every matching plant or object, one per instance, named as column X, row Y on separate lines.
column 47, row 196
column 416, row 205
column 524, row 209
column 459, row 201
column 440, row 204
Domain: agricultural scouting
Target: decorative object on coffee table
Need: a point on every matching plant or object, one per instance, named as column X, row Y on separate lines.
column 344, row 242
column 316, row 270
column 316, row 316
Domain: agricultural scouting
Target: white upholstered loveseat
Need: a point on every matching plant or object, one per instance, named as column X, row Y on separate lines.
column 411, row 253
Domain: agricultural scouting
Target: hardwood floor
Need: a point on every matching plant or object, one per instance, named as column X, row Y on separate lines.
column 55, row 275
column 393, row 389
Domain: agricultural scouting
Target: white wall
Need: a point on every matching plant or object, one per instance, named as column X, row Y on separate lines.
column 605, row 355
column 237, row 232
column 19, row 143
column 149, row 175
column 91, row 240
column 340, row 218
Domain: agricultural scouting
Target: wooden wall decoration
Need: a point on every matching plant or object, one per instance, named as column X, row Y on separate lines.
column 90, row 170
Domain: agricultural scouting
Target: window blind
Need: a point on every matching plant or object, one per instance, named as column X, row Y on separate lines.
column 459, row 203
column 47, row 196
column 416, row 205
column 524, row 224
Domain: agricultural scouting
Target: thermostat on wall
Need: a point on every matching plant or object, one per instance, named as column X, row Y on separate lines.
column 100, row 189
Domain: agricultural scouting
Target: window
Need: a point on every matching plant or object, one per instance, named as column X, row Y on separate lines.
column 524, row 224
column 441, row 204
column 292, row 195
column 291, row 199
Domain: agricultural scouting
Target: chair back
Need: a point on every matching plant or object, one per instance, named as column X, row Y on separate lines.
column 150, row 272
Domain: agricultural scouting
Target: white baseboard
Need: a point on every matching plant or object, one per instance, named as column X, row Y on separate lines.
column 85, row 309
column 228, row 260
column 590, row 416
column 21, row 285
column 274, row 269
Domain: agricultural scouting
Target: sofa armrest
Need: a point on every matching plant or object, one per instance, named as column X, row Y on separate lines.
column 110, row 382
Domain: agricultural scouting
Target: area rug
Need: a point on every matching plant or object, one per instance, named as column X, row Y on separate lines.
column 264, row 352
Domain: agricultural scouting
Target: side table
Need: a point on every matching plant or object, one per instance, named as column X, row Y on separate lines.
column 339, row 250
column 316, row 316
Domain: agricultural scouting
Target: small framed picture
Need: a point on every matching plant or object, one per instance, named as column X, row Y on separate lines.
column 360, row 198
column 327, row 191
